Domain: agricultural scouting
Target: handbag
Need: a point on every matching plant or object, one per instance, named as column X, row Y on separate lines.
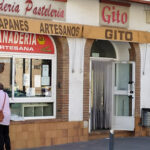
column 1, row 111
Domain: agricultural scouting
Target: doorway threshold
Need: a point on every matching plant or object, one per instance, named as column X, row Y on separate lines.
column 98, row 134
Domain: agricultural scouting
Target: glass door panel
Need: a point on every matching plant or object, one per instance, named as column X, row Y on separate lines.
column 122, row 76
column 123, row 105
column 123, row 96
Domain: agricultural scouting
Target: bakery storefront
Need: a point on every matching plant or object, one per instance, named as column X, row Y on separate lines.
column 34, row 69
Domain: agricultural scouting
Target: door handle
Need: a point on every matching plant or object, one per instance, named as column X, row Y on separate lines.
column 130, row 96
column 130, row 82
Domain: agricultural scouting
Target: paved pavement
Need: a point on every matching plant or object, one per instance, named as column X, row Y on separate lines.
column 132, row 143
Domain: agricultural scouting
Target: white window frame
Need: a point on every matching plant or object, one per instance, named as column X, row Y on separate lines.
column 52, row 98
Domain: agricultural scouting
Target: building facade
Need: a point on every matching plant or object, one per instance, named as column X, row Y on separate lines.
column 74, row 68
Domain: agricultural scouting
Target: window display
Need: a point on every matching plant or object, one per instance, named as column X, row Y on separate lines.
column 28, row 74
column 28, row 82
column 29, row 78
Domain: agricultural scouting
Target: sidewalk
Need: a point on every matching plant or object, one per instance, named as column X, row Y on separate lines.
column 132, row 143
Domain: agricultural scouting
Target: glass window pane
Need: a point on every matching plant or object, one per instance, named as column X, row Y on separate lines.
column 32, row 77
column 20, row 110
column 123, row 105
column 122, row 76
column 21, row 77
column 38, row 111
column 6, row 74
column 16, row 109
column 48, row 110
column 28, row 111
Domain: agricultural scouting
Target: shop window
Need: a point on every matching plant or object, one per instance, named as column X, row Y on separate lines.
column 30, row 84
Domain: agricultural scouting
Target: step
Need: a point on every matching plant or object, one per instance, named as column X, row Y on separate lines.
column 98, row 134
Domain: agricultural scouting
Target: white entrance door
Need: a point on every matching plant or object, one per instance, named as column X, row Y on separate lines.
column 123, row 96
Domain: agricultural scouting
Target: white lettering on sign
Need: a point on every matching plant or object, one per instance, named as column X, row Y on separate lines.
column 114, row 15
column 17, row 38
column 16, row 48
column 34, row 8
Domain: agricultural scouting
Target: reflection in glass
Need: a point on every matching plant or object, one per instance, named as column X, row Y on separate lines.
column 6, row 74
column 28, row 112
column 122, row 76
column 16, row 109
column 38, row 111
column 123, row 105
column 48, row 110
column 31, row 110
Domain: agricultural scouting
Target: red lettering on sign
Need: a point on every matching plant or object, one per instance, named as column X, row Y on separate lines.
column 6, row 7
column 106, row 18
column 29, row 5
column 111, row 15
column 124, row 18
column 44, row 10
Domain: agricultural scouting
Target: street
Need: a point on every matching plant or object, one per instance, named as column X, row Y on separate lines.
column 132, row 143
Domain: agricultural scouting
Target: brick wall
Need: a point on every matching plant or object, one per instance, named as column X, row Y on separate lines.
column 86, row 86
column 31, row 134
column 62, row 92
column 135, row 56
